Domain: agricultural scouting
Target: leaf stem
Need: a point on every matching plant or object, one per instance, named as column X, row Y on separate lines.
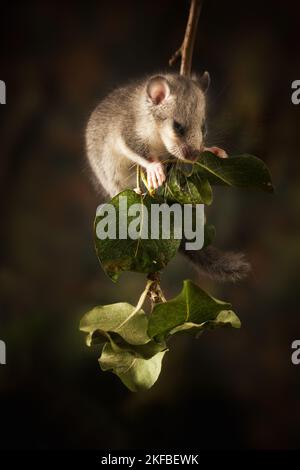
column 155, row 293
column 139, row 304
column 138, row 180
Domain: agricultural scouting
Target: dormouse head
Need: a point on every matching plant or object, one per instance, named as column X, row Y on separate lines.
column 177, row 105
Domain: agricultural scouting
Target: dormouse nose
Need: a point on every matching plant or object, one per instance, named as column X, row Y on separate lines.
column 188, row 152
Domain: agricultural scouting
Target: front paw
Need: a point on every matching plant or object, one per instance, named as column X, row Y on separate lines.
column 217, row 151
column 155, row 175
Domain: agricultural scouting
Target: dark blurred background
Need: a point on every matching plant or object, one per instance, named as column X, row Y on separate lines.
column 230, row 389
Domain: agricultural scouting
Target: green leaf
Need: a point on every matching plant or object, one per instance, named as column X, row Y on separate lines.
column 140, row 255
column 134, row 345
column 224, row 318
column 241, row 171
column 191, row 308
column 191, row 183
column 137, row 373
column 186, row 188
column 147, row 350
column 128, row 351
column 117, row 318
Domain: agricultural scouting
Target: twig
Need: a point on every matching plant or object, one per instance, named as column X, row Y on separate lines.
column 139, row 304
column 186, row 49
column 154, row 291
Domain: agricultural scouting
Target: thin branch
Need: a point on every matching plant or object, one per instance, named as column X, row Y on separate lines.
column 175, row 57
column 139, row 304
column 187, row 47
column 154, row 291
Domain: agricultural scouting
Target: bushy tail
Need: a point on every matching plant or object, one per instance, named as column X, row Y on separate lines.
column 218, row 265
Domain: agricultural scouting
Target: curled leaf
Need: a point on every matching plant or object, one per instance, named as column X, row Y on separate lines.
column 136, row 372
column 117, row 318
column 191, row 309
column 127, row 350
column 225, row 318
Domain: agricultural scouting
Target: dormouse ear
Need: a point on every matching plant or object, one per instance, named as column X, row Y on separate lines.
column 158, row 89
column 204, row 81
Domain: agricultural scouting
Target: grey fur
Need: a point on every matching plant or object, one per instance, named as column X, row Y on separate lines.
column 218, row 265
column 129, row 127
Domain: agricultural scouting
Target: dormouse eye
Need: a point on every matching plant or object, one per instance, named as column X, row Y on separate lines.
column 204, row 129
column 178, row 128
